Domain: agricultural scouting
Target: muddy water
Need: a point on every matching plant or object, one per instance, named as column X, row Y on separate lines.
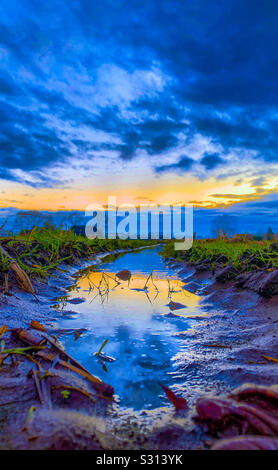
column 146, row 335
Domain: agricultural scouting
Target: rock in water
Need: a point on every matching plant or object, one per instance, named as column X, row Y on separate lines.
column 124, row 275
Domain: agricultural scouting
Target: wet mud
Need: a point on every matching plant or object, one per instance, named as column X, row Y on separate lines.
column 233, row 334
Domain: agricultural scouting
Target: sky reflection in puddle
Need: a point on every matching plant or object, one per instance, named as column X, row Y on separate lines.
column 142, row 332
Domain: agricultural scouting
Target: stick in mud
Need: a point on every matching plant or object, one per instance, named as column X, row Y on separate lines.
column 36, row 339
column 23, row 279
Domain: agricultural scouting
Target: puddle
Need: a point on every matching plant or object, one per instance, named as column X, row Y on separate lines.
column 145, row 333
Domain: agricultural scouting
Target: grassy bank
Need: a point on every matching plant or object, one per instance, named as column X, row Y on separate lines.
column 40, row 251
column 243, row 256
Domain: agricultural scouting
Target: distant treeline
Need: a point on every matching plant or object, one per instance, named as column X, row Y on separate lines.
column 223, row 225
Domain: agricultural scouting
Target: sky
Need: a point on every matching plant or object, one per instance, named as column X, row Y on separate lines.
column 161, row 101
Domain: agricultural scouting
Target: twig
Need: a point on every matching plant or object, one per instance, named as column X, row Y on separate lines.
column 22, row 277
column 74, row 389
column 38, row 387
column 98, row 384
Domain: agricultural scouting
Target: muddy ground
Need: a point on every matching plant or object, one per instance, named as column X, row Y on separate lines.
column 228, row 350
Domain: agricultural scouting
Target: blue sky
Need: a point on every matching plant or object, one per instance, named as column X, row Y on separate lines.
column 171, row 100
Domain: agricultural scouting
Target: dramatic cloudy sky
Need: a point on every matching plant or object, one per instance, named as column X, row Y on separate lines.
column 161, row 100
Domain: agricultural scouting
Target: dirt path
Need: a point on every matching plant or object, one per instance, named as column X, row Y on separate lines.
column 228, row 347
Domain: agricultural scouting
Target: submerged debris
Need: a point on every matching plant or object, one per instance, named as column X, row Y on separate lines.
column 50, row 352
column 76, row 300
column 124, row 275
column 175, row 305
column 105, row 357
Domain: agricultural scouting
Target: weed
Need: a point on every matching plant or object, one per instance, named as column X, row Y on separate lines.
column 244, row 255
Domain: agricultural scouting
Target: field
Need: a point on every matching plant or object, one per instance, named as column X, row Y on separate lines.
column 67, row 371
column 39, row 252
column 243, row 256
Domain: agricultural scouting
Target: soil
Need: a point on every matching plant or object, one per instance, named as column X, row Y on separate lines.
column 235, row 339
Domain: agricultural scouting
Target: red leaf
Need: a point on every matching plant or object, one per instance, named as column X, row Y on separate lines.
column 178, row 402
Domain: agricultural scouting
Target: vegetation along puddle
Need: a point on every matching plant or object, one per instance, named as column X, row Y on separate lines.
column 145, row 330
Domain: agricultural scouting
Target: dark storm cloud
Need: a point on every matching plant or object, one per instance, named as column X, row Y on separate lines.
column 27, row 143
column 183, row 165
column 211, row 160
column 250, row 129
column 220, row 60
column 155, row 136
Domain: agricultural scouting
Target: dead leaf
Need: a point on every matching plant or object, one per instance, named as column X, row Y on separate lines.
column 3, row 330
column 77, row 335
column 272, row 359
column 178, row 402
column 37, row 326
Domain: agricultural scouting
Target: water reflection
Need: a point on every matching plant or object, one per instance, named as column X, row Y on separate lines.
column 143, row 333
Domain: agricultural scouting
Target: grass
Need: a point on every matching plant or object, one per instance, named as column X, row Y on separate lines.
column 244, row 255
column 39, row 252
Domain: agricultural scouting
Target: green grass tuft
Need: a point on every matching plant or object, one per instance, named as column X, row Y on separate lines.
column 244, row 255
